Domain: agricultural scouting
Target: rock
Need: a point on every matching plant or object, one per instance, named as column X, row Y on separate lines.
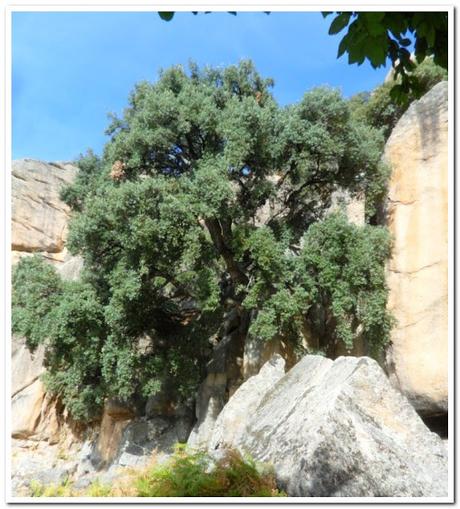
column 338, row 428
column 34, row 413
column 417, row 272
column 352, row 206
column 39, row 216
column 225, row 375
column 115, row 419
column 230, row 425
column 257, row 352
column 26, row 367
column 71, row 267
column 26, row 410
column 211, row 399
column 146, row 436
column 39, row 462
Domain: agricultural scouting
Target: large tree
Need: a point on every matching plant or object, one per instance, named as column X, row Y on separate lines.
column 204, row 221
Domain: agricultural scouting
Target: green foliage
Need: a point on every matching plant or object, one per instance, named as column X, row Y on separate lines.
column 381, row 111
column 68, row 318
column 347, row 266
column 339, row 265
column 199, row 204
column 36, row 292
column 89, row 176
column 376, row 36
column 194, row 474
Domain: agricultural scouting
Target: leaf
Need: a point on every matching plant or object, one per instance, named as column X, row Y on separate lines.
column 373, row 23
column 396, row 23
column 343, row 46
column 339, row 23
column 326, row 14
column 166, row 16
column 430, row 36
column 356, row 55
column 376, row 53
column 396, row 92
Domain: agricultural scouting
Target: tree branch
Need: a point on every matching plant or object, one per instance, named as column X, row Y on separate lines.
column 219, row 239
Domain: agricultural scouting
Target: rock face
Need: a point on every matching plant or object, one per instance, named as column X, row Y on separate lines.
column 417, row 272
column 39, row 217
column 34, row 413
column 40, row 430
column 336, row 428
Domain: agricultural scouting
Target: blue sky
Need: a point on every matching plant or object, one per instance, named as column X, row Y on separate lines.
column 71, row 69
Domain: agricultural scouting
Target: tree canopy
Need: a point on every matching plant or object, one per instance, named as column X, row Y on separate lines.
column 209, row 201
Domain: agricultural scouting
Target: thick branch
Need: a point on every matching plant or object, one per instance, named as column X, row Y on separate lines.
column 220, row 239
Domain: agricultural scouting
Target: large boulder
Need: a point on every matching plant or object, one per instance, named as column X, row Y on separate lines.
column 417, row 271
column 336, row 428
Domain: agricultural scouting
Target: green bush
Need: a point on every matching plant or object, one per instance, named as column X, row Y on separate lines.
column 194, row 474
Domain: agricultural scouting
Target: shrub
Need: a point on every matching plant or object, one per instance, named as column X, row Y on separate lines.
column 194, row 474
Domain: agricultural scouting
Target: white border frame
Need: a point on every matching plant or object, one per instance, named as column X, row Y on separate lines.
column 5, row 146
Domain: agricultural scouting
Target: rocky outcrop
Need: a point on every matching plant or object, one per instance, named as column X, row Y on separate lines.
column 39, row 217
column 417, row 271
column 42, row 434
column 335, row 428
column 34, row 413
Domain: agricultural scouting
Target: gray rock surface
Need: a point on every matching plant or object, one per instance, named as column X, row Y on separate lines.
column 230, row 425
column 338, row 428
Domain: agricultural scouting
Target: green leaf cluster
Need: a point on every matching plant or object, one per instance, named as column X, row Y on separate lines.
column 376, row 36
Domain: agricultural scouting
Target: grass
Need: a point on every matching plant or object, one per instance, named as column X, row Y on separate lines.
column 185, row 474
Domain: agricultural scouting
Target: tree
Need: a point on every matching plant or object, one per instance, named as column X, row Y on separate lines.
column 379, row 110
column 206, row 219
column 376, row 36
